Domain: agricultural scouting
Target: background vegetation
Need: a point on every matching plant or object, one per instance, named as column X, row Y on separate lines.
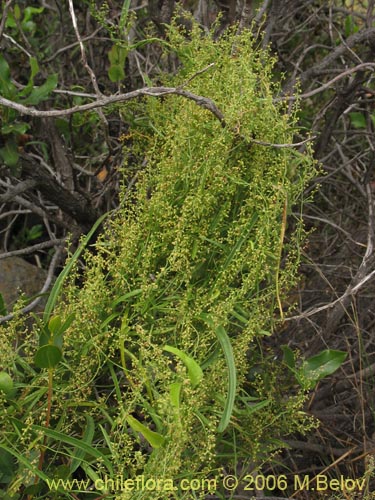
column 135, row 367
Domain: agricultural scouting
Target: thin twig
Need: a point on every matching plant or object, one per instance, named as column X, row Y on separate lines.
column 90, row 72
column 71, row 46
column 351, row 290
column 360, row 279
column 286, row 145
column 82, row 48
column 22, row 49
column 4, row 17
column 196, row 74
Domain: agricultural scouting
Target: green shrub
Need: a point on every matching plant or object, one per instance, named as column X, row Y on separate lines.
column 162, row 375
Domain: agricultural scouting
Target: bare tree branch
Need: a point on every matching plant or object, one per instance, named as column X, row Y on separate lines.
column 349, row 71
column 201, row 101
column 33, row 248
column 204, row 102
column 362, row 275
column 16, row 190
column 367, row 35
column 72, row 204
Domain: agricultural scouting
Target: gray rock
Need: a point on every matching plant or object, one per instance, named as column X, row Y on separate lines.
column 19, row 276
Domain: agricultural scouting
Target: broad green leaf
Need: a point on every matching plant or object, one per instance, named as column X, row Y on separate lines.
column 61, row 472
column 358, row 120
column 154, row 438
column 34, row 232
column 117, row 55
column 34, row 67
column 323, row 364
column 56, row 330
column 14, row 128
column 6, row 383
column 289, row 359
column 7, row 466
column 194, row 370
column 38, row 94
column 9, row 153
column 116, row 73
column 57, row 340
column 11, row 20
column 47, row 356
column 79, row 454
column 7, row 89
column 29, row 12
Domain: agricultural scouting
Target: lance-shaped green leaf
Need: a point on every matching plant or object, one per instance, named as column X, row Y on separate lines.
column 226, row 346
column 77, row 443
column 154, row 438
column 174, row 394
column 232, row 377
column 79, row 453
column 289, row 358
column 194, row 370
column 38, row 94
